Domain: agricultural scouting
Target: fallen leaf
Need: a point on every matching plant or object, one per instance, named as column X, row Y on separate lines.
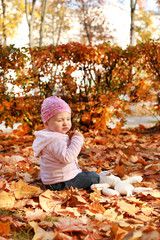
column 41, row 234
column 67, row 211
column 111, row 213
column 143, row 217
column 6, row 200
column 23, row 190
column 96, row 207
column 38, row 214
column 131, row 209
column 5, row 227
column 155, row 194
column 133, row 235
column 134, row 159
column 120, row 170
column 70, row 225
column 154, row 235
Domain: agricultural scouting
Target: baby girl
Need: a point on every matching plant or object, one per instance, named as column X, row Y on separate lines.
column 57, row 152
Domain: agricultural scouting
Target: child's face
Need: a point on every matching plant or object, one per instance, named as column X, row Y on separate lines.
column 61, row 123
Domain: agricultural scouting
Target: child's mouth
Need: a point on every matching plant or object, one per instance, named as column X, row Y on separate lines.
column 65, row 129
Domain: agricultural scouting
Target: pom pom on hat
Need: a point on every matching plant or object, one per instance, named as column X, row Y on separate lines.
column 52, row 106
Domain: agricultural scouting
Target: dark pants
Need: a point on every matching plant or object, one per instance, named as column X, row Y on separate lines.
column 83, row 180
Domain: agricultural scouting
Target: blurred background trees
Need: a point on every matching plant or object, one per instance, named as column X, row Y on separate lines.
column 72, row 50
column 84, row 21
column 11, row 13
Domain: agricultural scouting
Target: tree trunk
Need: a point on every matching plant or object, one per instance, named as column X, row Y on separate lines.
column 44, row 8
column 3, row 23
column 30, row 21
column 132, row 28
column 85, row 24
column 60, row 29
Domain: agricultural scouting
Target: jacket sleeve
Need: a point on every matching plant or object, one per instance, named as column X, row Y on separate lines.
column 65, row 153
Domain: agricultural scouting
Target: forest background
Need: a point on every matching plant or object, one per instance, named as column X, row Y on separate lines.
column 104, row 78
column 100, row 81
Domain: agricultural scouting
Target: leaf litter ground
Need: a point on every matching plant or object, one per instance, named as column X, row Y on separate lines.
column 29, row 211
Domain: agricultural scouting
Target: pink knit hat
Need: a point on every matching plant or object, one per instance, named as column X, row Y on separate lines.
column 53, row 105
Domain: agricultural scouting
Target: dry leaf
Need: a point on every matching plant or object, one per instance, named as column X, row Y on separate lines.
column 127, row 207
column 133, row 235
column 120, row 170
column 23, row 190
column 38, row 214
column 48, row 200
column 41, row 234
column 70, row 225
column 6, row 200
column 4, row 227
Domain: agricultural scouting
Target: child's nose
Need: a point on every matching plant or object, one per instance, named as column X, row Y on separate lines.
column 65, row 122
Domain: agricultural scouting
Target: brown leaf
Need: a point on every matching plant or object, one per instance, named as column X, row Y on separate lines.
column 38, row 214
column 4, row 184
column 154, row 235
column 70, row 225
column 67, row 211
column 133, row 235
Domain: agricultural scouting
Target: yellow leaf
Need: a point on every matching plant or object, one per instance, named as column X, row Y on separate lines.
column 23, row 190
column 127, row 207
column 6, row 200
column 110, row 213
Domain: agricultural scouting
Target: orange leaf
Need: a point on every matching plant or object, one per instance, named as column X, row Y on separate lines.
column 49, row 200
column 5, row 227
column 22, row 130
column 127, row 207
column 120, row 170
column 119, row 232
column 96, row 207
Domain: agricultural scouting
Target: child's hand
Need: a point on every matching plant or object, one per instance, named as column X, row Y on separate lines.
column 77, row 133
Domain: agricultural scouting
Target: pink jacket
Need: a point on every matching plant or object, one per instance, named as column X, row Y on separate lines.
column 58, row 155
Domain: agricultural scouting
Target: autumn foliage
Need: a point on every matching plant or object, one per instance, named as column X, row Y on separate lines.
column 29, row 211
column 99, row 82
